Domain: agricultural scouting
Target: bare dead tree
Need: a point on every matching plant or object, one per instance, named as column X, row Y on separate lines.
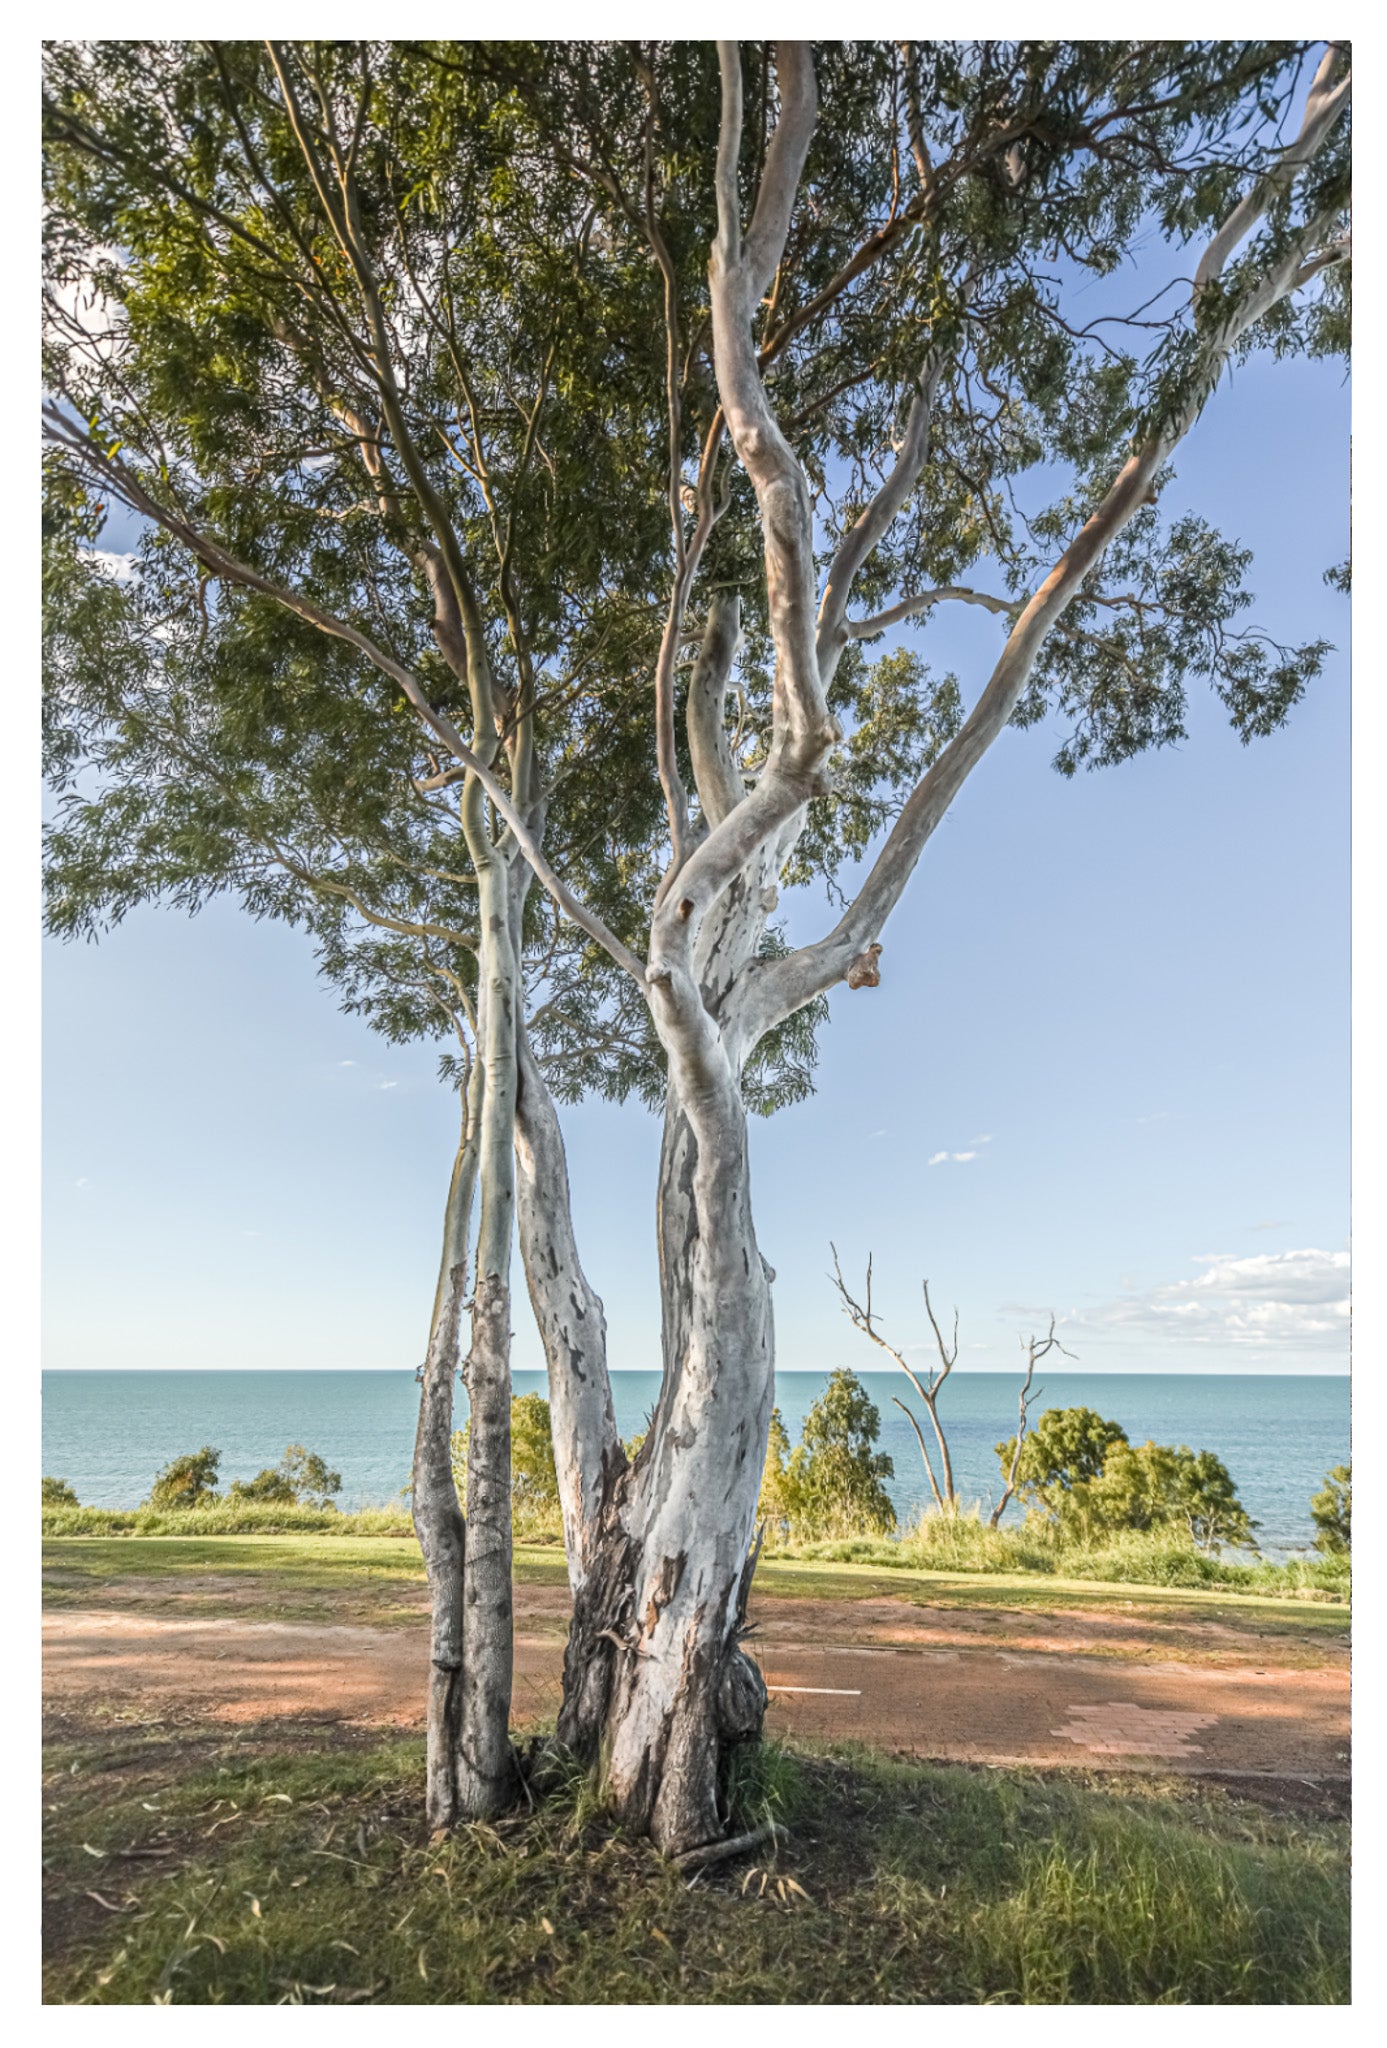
column 1036, row 1349
column 863, row 1319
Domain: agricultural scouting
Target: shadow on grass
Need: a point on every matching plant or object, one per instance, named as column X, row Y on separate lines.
column 288, row 1864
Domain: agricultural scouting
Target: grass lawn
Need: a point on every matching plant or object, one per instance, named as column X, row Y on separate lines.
column 380, row 1580
column 289, row 1865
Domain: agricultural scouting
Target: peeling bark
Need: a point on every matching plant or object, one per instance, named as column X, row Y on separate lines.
column 486, row 1765
column 438, row 1521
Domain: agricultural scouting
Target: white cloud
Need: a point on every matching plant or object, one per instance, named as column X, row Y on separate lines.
column 985, row 1139
column 937, row 1159
column 387, row 1084
column 959, row 1158
column 964, row 1157
column 346, row 1063
column 1296, row 1300
column 119, row 568
column 82, row 1183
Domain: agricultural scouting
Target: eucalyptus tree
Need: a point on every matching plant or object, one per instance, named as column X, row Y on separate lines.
column 185, row 765
column 305, row 323
column 892, row 347
column 826, row 328
column 890, row 350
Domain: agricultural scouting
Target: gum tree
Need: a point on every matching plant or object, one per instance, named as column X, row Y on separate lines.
column 301, row 324
column 886, row 251
column 183, row 768
column 829, row 337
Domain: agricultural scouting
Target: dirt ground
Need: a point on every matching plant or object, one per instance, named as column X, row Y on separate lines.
column 1123, row 1686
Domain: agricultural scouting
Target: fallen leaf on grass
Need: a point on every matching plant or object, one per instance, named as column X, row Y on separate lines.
column 422, row 1971
column 547, row 1925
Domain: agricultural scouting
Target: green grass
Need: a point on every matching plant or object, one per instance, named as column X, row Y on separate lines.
column 247, row 1518
column 272, row 1874
column 935, row 1544
column 380, row 1581
column 963, row 1543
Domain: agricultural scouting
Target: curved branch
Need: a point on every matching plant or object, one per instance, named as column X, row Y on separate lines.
column 784, row 986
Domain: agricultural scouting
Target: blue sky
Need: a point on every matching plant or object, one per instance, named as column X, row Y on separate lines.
column 1118, row 1005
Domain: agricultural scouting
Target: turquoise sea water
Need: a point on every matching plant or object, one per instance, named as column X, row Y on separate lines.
column 107, row 1433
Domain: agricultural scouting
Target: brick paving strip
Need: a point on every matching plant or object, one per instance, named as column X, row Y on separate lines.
column 971, row 1704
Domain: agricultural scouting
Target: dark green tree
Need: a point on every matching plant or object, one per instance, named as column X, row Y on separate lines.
column 1067, row 1448
column 834, row 1474
column 187, row 1482
column 58, row 1494
column 1080, row 1474
column 535, row 1505
column 1331, row 1511
column 300, row 1479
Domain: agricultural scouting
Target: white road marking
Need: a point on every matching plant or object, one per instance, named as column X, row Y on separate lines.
column 838, row 1692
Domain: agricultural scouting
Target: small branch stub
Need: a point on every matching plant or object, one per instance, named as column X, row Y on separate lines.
column 864, row 972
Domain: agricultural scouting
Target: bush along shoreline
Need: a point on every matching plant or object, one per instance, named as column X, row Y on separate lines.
column 1093, row 1505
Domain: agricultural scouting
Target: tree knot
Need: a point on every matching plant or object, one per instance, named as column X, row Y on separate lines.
column 864, row 973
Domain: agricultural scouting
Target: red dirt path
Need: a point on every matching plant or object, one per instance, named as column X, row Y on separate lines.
column 947, row 1696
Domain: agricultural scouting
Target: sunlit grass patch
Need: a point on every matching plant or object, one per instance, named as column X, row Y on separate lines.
column 274, row 1874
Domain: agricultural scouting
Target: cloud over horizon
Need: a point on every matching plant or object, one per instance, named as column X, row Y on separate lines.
column 1271, row 1300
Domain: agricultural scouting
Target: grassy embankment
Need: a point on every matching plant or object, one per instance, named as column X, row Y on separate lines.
column 379, row 1582
column 186, row 1866
column 934, row 1544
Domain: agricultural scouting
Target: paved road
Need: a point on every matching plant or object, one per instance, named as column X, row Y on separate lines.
column 976, row 1704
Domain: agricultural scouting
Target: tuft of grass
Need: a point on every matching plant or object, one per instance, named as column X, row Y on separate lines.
column 228, row 1518
column 1144, row 1912
column 188, row 1867
column 965, row 1543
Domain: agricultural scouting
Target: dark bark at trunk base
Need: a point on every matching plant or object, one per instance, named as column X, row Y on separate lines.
column 678, row 1795
column 442, row 1535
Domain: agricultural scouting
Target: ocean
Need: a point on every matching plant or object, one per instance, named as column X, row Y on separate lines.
column 107, row 1433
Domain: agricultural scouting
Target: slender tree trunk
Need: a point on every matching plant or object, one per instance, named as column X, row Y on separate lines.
column 683, row 1690
column 438, row 1520
column 486, row 1764
column 589, row 1460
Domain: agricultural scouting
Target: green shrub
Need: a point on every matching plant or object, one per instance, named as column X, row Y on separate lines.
column 1080, row 1474
column 301, row 1479
column 58, row 1494
column 1330, row 1511
column 773, row 1508
column 187, row 1482
column 535, row 1507
column 830, row 1484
